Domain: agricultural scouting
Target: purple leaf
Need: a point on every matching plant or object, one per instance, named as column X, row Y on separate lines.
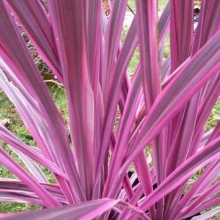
column 35, row 21
column 78, row 84
column 48, row 199
column 88, row 210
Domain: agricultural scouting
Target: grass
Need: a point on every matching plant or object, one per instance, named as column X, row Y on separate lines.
column 6, row 207
column 214, row 117
column 161, row 4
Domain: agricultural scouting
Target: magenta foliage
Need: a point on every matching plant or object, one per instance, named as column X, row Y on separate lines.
column 159, row 137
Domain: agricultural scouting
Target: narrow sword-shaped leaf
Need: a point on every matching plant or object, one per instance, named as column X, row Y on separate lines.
column 48, row 199
column 163, row 23
column 199, row 185
column 147, row 18
column 88, row 210
column 188, row 80
column 184, row 171
column 35, row 21
column 17, row 186
column 208, row 23
column 32, row 152
column 77, row 212
column 119, row 71
column 29, row 76
column 111, row 46
column 203, row 197
column 94, row 43
column 212, row 202
column 72, row 54
column 208, row 214
column 124, row 128
column 181, row 31
column 14, row 197
column 115, row 64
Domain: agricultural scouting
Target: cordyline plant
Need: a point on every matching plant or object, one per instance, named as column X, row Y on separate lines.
column 160, row 139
